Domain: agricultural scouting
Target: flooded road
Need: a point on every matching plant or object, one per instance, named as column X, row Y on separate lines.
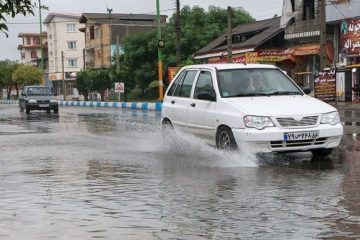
column 105, row 173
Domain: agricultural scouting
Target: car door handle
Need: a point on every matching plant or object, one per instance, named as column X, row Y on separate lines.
column 193, row 104
column 173, row 101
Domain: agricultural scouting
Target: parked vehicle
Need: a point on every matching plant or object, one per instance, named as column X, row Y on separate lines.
column 38, row 98
column 230, row 104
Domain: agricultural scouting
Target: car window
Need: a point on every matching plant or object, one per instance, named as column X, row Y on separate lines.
column 204, row 83
column 176, row 83
column 255, row 82
column 38, row 91
column 183, row 89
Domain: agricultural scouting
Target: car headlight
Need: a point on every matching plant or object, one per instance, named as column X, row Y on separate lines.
column 53, row 101
column 258, row 122
column 330, row 118
column 32, row 101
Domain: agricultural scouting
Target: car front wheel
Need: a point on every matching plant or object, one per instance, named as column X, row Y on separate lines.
column 322, row 152
column 225, row 139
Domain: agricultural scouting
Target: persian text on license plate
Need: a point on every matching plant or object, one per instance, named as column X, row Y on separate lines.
column 43, row 105
column 294, row 136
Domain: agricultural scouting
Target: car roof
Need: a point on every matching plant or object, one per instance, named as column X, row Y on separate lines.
column 227, row 66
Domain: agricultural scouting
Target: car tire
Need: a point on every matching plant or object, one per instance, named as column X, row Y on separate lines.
column 322, row 152
column 27, row 111
column 56, row 110
column 225, row 139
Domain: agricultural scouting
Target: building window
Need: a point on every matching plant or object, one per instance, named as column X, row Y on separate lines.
column 28, row 41
column 33, row 54
column 92, row 33
column 23, row 55
column 97, row 33
column 71, row 27
column 72, row 45
column 308, row 9
column 72, row 62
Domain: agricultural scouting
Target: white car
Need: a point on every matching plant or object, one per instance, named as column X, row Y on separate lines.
column 231, row 104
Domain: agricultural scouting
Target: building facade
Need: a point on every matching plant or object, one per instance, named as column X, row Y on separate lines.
column 104, row 32
column 65, row 49
column 30, row 49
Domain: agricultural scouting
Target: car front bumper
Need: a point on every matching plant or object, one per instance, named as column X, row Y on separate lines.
column 42, row 106
column 272, row 139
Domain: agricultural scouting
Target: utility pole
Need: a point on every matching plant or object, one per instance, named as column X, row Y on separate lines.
column 41, row 47
column 322, row 24
column 160, row 63
column 229, row 35
column 63, row 75
column 84, row 59
column 178, row 33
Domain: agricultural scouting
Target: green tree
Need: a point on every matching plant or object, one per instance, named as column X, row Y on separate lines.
column 13, row 8
column 26, row 75
column 7, row 68
column 101, row 80
column 84, row 82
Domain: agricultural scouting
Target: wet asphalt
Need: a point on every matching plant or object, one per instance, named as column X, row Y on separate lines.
column 89, row 173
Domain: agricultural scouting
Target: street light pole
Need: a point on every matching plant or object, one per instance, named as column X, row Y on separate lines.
column 160, row 63
column 41, row 46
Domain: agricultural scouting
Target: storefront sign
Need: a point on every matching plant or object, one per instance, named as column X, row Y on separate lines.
column 340, row 86
column 269, row 56
column 350, row 37
column 172, row 71
column 325, row 85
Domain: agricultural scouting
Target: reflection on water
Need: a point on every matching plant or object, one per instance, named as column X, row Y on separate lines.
column 106, row 174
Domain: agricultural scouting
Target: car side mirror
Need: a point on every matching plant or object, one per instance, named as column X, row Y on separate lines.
column 307, row 91
column 208, row 95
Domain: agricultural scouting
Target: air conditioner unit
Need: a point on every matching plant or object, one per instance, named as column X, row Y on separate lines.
column 342, row 61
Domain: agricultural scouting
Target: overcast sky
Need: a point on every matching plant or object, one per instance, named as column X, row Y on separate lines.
column 259, row 9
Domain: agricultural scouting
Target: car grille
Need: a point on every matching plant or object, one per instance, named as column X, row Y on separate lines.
column 300, row 143
column 291, row 122
column 43, row 101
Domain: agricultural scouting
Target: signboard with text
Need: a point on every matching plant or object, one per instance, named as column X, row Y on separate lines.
column 350, row 37
column 325, row 85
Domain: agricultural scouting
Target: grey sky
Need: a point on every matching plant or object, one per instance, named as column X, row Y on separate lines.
column 259, row 9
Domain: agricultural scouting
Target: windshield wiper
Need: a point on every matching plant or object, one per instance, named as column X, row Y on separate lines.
column 250, row 94
column 284, row 93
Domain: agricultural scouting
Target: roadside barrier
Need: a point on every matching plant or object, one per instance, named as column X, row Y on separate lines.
column 9, row 101
column 124, row 105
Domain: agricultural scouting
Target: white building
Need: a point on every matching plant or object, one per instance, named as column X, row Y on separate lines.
column 30, row 49
column 65, row 49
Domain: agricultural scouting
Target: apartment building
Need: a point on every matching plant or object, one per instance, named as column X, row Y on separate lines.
column 30, row 49
column 65, row 47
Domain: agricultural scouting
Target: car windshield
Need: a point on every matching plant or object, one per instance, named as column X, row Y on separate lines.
column 255, row 82
column 36, row 91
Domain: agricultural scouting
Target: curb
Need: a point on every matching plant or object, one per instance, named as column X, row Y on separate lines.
column 121, row 105
column 9, row 101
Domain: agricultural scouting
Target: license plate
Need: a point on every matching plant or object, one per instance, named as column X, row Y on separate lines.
column 294, row 136
column 43, row 105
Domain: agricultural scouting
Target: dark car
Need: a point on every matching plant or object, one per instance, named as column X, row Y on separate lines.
column 38, row 98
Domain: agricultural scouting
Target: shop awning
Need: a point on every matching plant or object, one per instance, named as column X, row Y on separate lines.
column 310, row 49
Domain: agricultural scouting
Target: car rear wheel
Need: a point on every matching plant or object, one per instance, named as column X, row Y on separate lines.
column 27, row 111
column 56, row 110
column 225, row 139
column 322, row 152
